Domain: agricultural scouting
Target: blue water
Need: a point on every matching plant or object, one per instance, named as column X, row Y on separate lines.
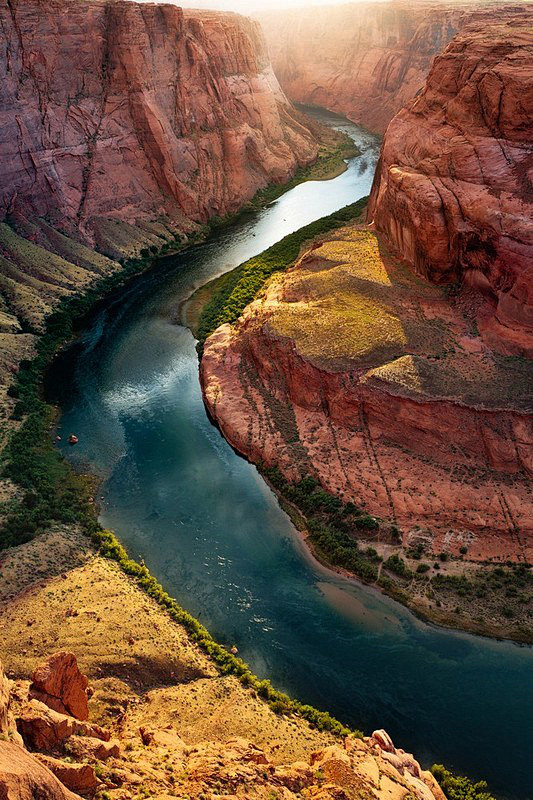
column 211, row 531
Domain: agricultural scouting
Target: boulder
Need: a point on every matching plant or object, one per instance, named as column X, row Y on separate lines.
column 22, row 777
column 79, row 778
column 91, row 747
column 60, row 685
column 384, row 741
column 42, row 728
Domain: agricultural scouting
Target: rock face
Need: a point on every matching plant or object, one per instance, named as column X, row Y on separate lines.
column 22, row 777
column 354, row 369
column 362, row 60
column 138, row 112
column 59, row 684
column 453, row 190
column 42, row 728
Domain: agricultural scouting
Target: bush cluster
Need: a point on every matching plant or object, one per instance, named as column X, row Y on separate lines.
column 330, row 523
column 457, row 787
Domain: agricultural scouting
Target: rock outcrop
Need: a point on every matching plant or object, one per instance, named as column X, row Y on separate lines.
column 453, row 191
column 159, row 760
column 362, row 60
column 59, row 684
column 138, row 112
column 354, row 369
column 23, row 777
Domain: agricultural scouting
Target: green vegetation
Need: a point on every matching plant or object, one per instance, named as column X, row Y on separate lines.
column 331, row 524
column 238, row 288
column 457, row 787
column 227, row 663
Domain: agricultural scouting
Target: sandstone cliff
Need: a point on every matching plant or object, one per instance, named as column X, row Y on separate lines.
column 453, row 190
column 362, row 60
column 138, row 112
column 354, row 369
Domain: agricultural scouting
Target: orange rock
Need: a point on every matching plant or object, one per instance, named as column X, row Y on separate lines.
column 91, row 747
column 79, row 778
column 60, row 685
column 42, row 728
column 22, row 777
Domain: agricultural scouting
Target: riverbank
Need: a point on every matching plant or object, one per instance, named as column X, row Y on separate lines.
column 80, row 590
column 439, row 585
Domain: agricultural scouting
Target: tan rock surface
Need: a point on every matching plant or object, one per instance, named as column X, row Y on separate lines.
column 22, row 777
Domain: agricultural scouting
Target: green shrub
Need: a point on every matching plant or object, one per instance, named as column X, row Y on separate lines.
column 458, row 787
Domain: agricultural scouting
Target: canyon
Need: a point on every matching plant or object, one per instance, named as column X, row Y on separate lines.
column 159, row 116
column 363, row 60
column 390, row 361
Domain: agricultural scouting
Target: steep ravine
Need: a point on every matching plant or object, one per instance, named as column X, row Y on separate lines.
column 364, row 60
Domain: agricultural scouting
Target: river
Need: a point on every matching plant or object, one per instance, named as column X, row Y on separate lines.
column 212, row 532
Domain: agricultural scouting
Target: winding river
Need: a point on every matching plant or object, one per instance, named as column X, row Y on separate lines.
column 211, row 531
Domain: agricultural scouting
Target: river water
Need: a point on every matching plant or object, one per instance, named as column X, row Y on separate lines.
column 212, row 532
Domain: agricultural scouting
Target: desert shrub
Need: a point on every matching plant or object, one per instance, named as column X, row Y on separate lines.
column 458, row 787
column 397, row 565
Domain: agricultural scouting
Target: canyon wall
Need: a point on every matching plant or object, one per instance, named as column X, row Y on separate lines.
column 362, row 60
column 453, row 191
column 138, row 112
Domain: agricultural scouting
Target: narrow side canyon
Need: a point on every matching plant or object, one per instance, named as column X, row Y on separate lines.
column 364, row 60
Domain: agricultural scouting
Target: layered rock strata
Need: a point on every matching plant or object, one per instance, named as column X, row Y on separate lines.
column 362, row 60
column 133, row 112
column 354, row 369
column 453, row 191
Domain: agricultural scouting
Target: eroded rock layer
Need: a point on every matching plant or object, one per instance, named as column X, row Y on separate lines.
column 362, row 60
column 354, row 369
column 138, row 111
column 453, row 190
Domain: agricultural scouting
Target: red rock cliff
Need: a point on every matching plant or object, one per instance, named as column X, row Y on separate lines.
column 363, row 60
column 453, row 190
column 137, row 111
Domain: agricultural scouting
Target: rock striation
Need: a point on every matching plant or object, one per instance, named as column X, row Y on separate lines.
column 453, row 191
column 362, row 60
column 136, row 112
